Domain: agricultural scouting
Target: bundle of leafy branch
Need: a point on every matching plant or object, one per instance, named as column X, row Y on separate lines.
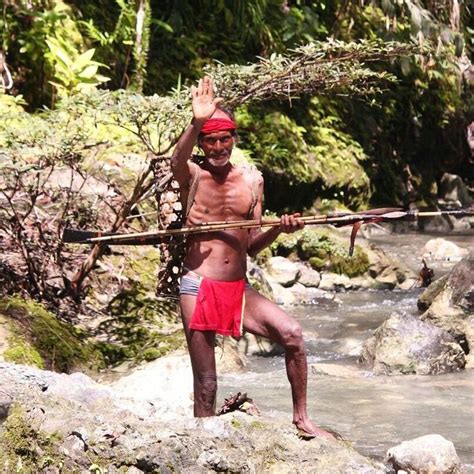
column 322, row 68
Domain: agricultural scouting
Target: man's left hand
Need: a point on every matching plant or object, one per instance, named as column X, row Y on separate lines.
column 290, row 223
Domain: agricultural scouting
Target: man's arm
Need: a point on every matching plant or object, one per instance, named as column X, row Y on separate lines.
column 204, row 105
column 258, row 240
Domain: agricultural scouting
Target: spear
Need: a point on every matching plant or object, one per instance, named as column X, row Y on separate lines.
column 337, row 219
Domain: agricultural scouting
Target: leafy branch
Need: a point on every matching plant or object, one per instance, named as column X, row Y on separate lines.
column 322, row 68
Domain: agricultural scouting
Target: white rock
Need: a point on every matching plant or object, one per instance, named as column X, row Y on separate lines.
column 438, row 249
column 167, row 383
column 283, row 271
column 281, row 295
column 334, row 282
column 426, row 454
column 308, row 277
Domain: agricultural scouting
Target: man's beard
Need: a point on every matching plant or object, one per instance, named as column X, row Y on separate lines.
column 219, row 161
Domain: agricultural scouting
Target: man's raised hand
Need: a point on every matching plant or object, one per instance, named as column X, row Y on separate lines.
column 204, row 103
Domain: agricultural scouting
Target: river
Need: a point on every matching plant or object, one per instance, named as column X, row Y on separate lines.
column 373, row 412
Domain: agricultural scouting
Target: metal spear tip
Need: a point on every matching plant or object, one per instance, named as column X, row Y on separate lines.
column 74, row 236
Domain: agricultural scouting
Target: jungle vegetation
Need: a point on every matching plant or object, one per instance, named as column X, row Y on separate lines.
column 339, row 103
column 339, row 147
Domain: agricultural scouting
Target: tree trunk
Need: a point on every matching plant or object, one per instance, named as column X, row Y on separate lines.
column 142, row 43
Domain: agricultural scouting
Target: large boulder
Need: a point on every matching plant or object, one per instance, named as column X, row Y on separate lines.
column 405, row 345
column 424, row 455
column 449, row 304
column 53, row 432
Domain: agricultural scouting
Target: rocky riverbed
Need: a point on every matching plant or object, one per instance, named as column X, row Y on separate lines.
column 139, row 419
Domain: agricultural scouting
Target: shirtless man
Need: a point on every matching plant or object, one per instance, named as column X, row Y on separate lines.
column 213, row 290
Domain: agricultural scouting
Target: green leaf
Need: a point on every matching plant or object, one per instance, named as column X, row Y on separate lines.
column 58, row 53
column 83, row 59
column 89, row 72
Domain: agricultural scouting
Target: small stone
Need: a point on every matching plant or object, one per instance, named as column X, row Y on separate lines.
column 334, row 282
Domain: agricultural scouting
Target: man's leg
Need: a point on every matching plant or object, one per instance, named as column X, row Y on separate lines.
column 201, row 350
column 264, row 318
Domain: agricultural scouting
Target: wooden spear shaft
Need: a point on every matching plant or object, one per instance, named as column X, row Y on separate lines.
column 334, row 219
column 246, row 224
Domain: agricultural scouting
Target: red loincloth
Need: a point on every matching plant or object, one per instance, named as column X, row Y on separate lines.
column 219, row 307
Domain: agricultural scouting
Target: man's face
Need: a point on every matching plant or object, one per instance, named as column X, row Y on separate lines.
column 217, row 147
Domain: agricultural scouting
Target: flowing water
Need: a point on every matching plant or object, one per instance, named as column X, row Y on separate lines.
column 374, row 412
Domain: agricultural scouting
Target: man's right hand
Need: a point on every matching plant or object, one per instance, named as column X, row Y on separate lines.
column 204, row 103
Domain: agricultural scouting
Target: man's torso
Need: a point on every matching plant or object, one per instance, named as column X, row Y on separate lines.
column 220, row 255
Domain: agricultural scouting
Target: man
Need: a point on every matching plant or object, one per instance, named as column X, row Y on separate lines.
column 214, row 296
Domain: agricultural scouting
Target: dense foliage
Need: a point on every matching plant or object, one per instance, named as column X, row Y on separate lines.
column 344, row 149
column 313, row 83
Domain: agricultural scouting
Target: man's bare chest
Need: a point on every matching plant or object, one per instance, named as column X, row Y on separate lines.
column 227, row 199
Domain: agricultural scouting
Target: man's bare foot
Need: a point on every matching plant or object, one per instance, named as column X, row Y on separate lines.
column 308, row 430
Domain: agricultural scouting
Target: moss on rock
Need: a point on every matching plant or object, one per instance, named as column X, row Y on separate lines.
column 323, row 250
column 25, row 449
column 41, row 339
column 20, row 351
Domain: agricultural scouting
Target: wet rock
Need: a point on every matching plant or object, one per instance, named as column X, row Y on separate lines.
column 424, row 455
column 308, row 295
column 442, row 249
column 438, row 224
column 449, row 304
column 460, row 223
column 431, row 292
column 334, row 282
column 385, row 272
column 378, row 260
column 363, row 282
column 387, row 279
column 260, row 346
column 283, row 271
column 308, row 277
column 281, row 295
column 409, row 284
column 334, row 370
column 229, row 357
column 404, row 344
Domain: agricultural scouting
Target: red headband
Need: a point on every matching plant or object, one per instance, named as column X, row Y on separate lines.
column 218, row 125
